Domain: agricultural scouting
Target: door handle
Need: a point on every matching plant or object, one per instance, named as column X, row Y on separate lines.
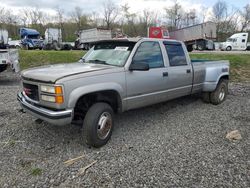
column 188, row 70
column 165, row 74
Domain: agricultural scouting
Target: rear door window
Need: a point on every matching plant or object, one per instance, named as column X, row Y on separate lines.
column 176, row 54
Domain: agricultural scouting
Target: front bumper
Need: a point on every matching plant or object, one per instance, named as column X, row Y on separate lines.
column 60, row 118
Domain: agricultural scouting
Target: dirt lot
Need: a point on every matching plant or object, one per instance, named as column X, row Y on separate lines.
column 180, row 143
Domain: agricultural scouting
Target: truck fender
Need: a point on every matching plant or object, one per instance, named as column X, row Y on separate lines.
column 212, row 78
column 81, row 91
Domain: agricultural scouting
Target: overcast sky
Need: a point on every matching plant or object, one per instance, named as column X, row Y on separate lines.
column 89, row 6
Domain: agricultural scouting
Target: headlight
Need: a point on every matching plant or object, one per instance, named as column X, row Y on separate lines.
column 54, row 99
column 48, row 98
column 52, row 89
column 56, row 94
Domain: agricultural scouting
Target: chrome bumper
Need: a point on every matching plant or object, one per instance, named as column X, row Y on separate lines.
column 63, row 117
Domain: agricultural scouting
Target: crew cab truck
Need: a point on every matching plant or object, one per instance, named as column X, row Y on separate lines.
column 115, row 76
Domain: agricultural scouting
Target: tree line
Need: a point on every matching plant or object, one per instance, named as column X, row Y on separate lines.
column 121, row 19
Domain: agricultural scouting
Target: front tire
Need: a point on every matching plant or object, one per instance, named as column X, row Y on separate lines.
column 229, row 48
column 98, row 124
column 220, row 93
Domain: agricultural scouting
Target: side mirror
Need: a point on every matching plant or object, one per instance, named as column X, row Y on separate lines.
column 139, row 67
column 81, row 60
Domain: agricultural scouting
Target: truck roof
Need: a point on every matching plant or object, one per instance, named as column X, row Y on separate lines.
column 28, row 31
column 134, row 40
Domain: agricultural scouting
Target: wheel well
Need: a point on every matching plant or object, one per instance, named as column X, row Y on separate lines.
column 225, row 77
column 86, row 101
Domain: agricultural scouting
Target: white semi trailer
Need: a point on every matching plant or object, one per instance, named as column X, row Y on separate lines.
column 4, row 36
column 52, row 39
column 198, row 37
column 86, row 37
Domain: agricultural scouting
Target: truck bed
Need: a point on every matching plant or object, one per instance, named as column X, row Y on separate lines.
column 206, row 73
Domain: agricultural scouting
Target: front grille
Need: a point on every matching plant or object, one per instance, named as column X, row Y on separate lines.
column 31, row 91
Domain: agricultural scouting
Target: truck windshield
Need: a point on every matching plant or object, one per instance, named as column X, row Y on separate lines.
column 230, row 40
column 33, row 36
column 110, row 53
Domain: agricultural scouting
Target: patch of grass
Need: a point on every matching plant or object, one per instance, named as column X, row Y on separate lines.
column 239, row 64
column 35, row 58
column 36, row 171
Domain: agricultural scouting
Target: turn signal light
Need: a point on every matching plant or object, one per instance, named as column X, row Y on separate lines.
column 58, row 90
column 59, row 99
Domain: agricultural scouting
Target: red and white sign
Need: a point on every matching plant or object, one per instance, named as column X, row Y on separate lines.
column 158, row 32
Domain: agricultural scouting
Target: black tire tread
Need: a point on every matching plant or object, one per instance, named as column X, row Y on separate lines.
column 214, row 95
column 90, row 120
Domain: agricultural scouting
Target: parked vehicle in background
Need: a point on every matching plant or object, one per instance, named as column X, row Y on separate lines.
column 86, row 37
column 68, row 45
column 30, row 39
column 198, row 37
column 4, row 36
column 14, row 43
column 116, row 76
column 237, row 41
column 53, row 39
column 158, row 32
column 9, row 57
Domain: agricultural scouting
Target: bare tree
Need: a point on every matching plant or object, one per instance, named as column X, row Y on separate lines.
column 76, row 16
column 220, row 10
column 129, row 21
column 246, row 17
column 60, row 16
column 2, row 15
column 149, row 17
column 94, row 19
column 192, row 16
column 110, row 13
column 174, row 14
column 220, row 13
column 227, row 20
column 203, row 13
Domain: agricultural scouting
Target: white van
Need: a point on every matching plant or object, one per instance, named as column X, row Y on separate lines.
column 237, row 41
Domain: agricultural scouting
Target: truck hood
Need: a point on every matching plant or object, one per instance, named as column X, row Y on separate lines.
column 52, row 73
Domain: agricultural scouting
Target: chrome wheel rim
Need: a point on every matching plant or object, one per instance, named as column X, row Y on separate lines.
column 104, row 125
column 222, row 94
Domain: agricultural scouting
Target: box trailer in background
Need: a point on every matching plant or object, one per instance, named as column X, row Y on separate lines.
column 198, row 37
column 9, row 57
column 4, row 35
column 53, row 39
column 86, row 37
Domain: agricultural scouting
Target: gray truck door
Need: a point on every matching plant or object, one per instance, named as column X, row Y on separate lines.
column 146, row 87
column 180, row 72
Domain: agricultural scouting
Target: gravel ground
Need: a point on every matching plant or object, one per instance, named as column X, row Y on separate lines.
column 180, row 143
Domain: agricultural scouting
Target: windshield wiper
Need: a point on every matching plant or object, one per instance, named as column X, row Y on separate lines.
column 97, row 61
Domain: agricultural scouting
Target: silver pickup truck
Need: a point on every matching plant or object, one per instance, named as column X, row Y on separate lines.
column 116, row 76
